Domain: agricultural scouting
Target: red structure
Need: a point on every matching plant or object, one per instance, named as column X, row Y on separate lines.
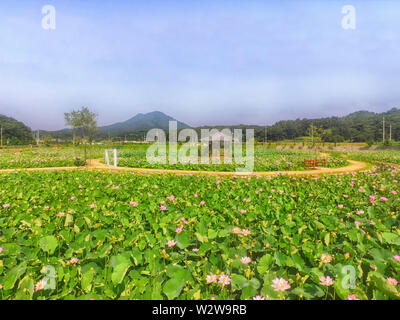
column 310, row 163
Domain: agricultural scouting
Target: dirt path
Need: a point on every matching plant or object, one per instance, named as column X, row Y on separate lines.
column 97, row 165
column 352, row 167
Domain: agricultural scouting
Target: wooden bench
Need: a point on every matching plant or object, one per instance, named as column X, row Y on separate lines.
column 314, row 163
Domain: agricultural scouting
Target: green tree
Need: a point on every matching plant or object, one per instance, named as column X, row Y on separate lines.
column 47, row 140
column 83, row 122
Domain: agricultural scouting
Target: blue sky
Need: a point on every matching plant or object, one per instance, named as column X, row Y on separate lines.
column 202, row 62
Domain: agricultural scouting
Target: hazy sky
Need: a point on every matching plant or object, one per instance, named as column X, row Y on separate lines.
column 202, row 62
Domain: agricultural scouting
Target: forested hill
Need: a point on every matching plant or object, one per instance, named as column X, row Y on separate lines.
column 15, row 132
column 361, row 126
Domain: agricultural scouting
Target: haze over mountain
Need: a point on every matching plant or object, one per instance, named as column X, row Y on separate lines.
column 361, row 126
column 142, row 122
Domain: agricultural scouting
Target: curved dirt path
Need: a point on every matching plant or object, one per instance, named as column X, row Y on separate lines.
column 354, row 166
column 97, row 165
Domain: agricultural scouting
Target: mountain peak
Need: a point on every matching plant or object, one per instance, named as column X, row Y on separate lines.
column 143, row 122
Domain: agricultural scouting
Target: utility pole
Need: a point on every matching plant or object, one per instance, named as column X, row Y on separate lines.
column 266, row 135
column 383, row 131
column 1, row 135
column 312, row 134
column 38, row 137
column 390, row 132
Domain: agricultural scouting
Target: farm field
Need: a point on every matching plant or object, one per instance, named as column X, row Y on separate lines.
column 135, row 156
column 388, row 156
column 102, row 235
column 264, row 160
column 42, row 157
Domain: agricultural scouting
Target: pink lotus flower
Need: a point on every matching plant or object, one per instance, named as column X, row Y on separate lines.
column 326, row 258
column 357, row 223
column 280, row 284
column 116, row 187
column 40, row 285
column 392, row 281
column 258, row 298
column 195, row 250
column 92, row 206
column 245, row 260
column 171, row 243
column 6, row 206
column 394, row 192
column 326, row 281
column 202, row 203
column 211, row 278
column 73, row 260
column 163, row 208
column 352, row 297
column 383, row 199
column 179, row 230
column 246, row 232
column 243, row 211
column 171, row 198
column 61, row 214
column 360, row 212
column 47, row 207
column 237, row 230
column 133, row 203
column 1, row 249
column 73, row 198
column 224, row 279
column 396, row 258
column 196, row 195
column 340, row 206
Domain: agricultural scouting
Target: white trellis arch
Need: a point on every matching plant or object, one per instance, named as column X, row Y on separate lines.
column 114, row 151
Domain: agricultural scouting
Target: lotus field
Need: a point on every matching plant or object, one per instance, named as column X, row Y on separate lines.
column 99, row 235
column 264, row 160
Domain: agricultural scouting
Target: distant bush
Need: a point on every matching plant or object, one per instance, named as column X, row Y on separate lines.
column 79, row 162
